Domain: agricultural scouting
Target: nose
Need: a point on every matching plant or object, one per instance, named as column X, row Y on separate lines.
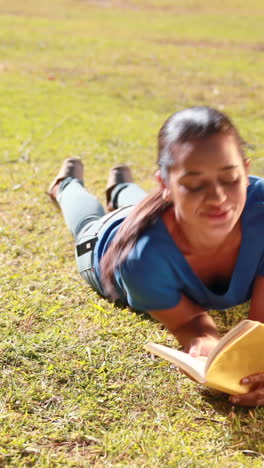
column 216, row 194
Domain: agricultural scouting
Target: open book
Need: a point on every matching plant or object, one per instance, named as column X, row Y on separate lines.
column 238, row 353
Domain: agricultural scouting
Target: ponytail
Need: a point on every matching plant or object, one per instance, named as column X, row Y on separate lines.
column 142, row 216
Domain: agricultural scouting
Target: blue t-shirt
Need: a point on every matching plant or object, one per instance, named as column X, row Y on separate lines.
column 156, row 274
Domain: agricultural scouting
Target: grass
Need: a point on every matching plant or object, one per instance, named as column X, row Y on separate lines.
column 98, row 79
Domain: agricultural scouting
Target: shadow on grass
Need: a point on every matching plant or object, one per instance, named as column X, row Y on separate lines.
column 144, row 315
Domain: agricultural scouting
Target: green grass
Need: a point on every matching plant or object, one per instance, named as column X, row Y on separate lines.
column 98, row 79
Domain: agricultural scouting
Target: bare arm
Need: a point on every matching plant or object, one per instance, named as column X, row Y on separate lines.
column 191, row 325
column 255, row 397
column 257, row 301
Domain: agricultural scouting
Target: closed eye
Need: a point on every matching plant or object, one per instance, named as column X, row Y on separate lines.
column 199, row 188
column 195, row 189
column 230, row 181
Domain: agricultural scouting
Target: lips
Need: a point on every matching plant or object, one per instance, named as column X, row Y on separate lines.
column 215, row 215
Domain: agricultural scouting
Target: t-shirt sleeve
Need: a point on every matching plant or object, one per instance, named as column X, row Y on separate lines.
column 256, row 199
column 259, row 189
column 148, row 280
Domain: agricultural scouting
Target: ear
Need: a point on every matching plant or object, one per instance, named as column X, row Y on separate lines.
column 159, row 179
column 247, row 165
column 166, row 195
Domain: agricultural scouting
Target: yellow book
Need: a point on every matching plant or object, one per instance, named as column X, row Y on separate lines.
column 238, row 353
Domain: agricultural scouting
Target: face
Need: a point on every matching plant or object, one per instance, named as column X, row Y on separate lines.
column 208, row 186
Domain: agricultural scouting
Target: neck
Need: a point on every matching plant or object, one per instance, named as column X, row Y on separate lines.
column 193, row 241
column 196, row 242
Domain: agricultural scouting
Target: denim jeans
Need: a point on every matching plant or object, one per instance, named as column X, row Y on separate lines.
column 85, row 216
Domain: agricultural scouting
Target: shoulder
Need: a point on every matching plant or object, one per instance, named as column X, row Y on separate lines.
column 147, row 275
column 253, row 214
column 255, row 189
column 151, row 252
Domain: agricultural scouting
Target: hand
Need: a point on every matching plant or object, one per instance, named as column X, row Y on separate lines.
column 255, row 397
column 201, row 346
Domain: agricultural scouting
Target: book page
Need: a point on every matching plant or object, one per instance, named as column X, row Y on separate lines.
column 193, row 366
column 230, row 336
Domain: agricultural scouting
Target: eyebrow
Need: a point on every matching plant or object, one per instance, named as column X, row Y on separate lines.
column 197, row 173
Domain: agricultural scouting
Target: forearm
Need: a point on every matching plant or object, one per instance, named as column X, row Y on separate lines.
column 257, row 301
column 202, row 326
column 190, row 324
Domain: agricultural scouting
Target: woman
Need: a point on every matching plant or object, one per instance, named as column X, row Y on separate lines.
column 193, row 245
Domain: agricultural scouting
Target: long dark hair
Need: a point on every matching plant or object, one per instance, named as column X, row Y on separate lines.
column 196, row 123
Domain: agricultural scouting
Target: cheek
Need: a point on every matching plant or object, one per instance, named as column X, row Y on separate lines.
column 239, row 195
column 190, row 203
column 186, row 203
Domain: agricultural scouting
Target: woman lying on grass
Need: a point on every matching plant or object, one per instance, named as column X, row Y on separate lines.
column 194, row 244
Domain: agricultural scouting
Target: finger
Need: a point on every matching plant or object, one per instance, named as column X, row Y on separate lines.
column 254, row 378
column 255, row 398
column 194, row 351
column 195, row 347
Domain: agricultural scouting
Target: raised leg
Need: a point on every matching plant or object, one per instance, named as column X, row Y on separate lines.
column 78, row 206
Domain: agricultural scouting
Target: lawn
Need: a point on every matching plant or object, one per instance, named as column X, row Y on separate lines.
column 97, row 79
